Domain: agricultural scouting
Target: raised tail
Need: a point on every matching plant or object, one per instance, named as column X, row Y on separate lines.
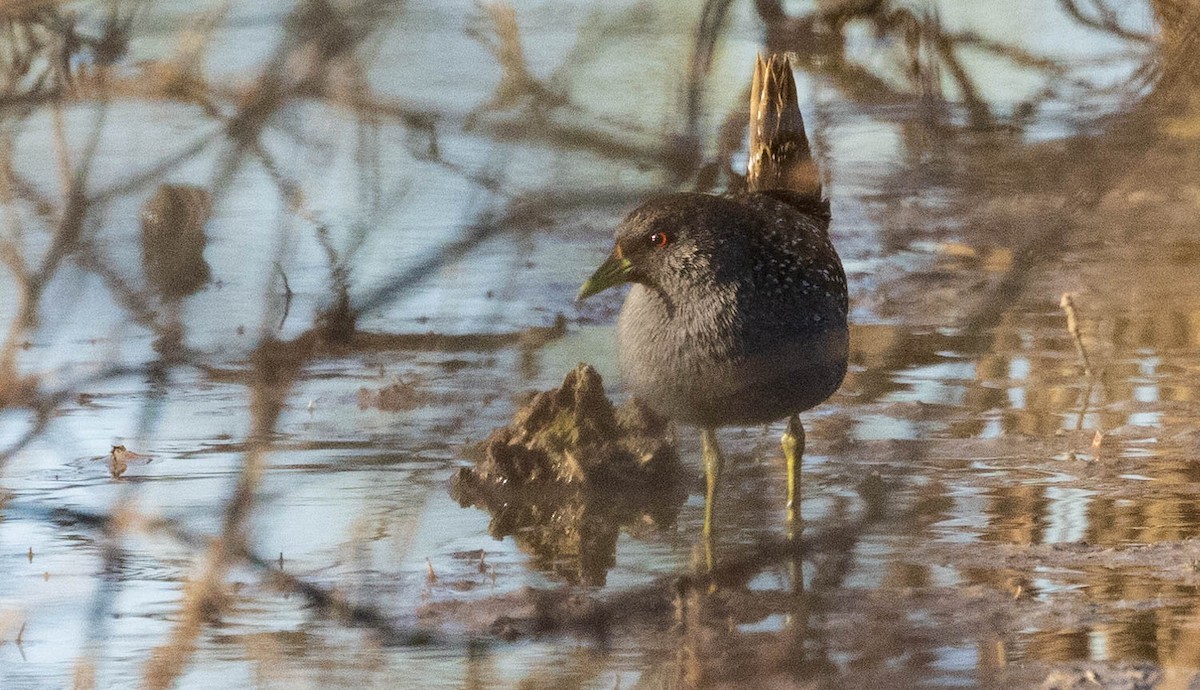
column 779, row 154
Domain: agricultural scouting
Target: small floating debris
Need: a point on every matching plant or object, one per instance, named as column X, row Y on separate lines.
column 120, row 457
column 399, row 396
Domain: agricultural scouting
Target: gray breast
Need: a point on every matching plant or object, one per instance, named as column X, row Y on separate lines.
column 717, row 359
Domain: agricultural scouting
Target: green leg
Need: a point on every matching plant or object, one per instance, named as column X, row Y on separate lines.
column 712, row 474
column 793, row 452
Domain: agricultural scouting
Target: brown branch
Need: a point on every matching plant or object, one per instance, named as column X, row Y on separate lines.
column 1106, row 22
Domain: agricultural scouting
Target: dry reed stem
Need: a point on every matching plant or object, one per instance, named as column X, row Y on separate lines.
column 1067, row 302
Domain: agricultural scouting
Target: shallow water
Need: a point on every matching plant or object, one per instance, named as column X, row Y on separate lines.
column 981, row 509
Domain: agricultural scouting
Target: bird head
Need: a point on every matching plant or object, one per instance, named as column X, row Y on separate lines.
column 668, row 241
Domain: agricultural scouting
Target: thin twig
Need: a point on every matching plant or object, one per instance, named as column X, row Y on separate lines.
column 1068, row 306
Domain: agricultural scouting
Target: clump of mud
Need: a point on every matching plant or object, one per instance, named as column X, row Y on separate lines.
column 173, row 240
column 574, row 435
column 570, row 471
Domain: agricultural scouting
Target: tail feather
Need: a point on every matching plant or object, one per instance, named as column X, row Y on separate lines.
column 780, row 157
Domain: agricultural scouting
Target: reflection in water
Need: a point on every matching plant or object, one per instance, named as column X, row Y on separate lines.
column 173, row 240
column 571, row 532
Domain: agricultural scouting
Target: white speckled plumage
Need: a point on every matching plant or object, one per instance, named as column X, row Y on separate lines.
column 741, row 318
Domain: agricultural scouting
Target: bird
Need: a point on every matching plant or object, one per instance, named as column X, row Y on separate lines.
column 737, row 311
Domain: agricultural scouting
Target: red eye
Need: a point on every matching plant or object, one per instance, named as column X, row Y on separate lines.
column 659, row 239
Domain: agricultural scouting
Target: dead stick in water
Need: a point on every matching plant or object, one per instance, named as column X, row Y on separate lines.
column 1068, row 306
